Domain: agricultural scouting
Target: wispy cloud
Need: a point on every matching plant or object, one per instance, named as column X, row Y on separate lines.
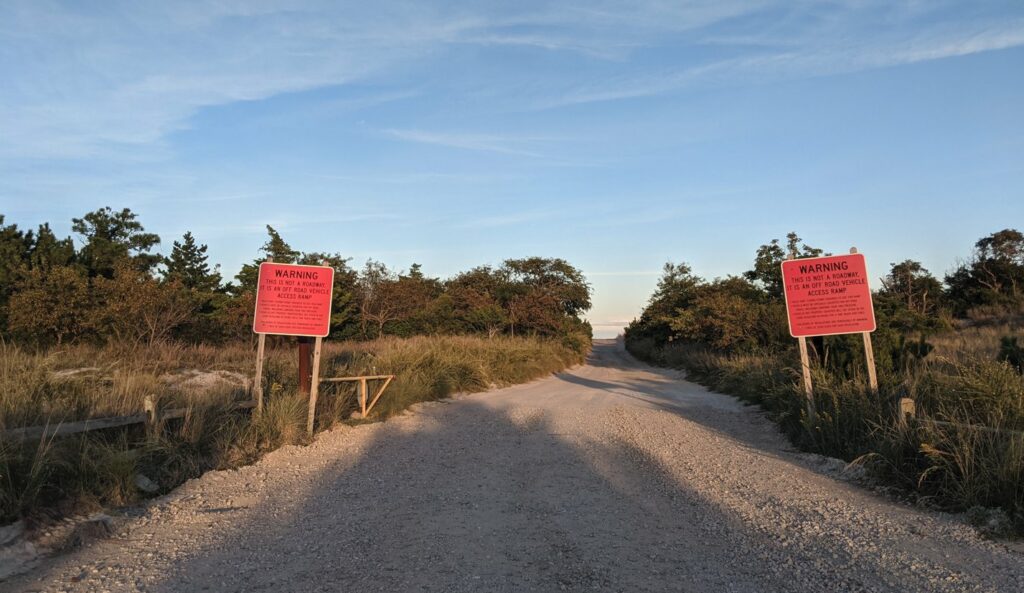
column 81, row 85
column 421, row 178
column 772, row 58
column 119, row 83
column 507, row 219
column 513, row 145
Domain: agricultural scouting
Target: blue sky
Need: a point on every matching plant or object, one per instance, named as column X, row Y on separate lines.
column 617, row 135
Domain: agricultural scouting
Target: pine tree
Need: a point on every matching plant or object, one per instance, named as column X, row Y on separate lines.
column 275, row 248
column 49, row 252
column 189, row 265
column 111, row 237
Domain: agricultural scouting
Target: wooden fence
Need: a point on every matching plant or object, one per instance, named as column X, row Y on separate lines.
column 151, row 416
column 908, row 414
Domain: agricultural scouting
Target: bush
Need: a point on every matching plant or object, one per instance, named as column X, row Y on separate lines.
column 51, row 307
column 1012, row 353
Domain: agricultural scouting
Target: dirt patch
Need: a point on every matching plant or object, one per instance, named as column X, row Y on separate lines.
column 201, row 382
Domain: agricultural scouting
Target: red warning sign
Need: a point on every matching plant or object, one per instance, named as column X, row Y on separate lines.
column 293, row 300
column 826, row 296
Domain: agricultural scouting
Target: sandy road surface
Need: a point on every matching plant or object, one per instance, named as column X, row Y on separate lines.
column 613, row 477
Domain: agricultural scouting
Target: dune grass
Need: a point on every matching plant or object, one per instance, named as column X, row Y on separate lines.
column 90, row 470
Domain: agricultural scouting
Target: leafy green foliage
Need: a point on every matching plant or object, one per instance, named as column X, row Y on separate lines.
column 767, row 271
column 993, row 276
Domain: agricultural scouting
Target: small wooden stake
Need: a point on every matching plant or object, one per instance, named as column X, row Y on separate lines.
column 907, row 410
column 257, row 385
column 805, row 365
column 869, row 355
column 149, row 406
column 314, row 387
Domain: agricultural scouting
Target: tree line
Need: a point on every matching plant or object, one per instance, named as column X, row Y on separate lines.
column 114, row 287
column 746, row 313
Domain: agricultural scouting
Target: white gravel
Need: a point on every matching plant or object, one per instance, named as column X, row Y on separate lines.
column 613, row 477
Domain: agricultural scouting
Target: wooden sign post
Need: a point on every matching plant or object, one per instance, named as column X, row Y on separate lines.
column 257, row 383
column 305, row 356
column 828, row 296
column 294, row 300
column 314, row 389
column 805, row 369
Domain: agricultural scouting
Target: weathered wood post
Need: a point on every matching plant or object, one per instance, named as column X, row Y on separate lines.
column 805, row 367
column 313, row 386
column 149, row 407
column 314, row 389
column 805, row 370
column 305, row 373
column 257, row 384
column 906, row 410
column 869, row 352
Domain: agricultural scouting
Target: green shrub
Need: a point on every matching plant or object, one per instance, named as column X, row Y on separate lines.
column 1012, row 353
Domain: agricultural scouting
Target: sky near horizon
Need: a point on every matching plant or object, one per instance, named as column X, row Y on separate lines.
column 616, row 135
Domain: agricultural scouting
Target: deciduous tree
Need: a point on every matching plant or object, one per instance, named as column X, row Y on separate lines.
column 52, row 306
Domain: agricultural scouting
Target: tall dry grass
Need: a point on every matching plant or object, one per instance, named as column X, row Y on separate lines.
column 100, row 468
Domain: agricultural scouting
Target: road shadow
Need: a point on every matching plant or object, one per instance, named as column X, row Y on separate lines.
column 508, row 504
column 471, row 497
column 668, row 390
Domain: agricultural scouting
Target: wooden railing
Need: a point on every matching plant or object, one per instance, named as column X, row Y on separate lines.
column 363, row 390
column 152, row 417
column 908, row 414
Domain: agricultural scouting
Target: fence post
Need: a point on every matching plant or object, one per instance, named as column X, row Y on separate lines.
column 907, row 410
column 149, row 406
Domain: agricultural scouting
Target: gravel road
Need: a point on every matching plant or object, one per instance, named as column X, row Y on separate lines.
column 612, row 477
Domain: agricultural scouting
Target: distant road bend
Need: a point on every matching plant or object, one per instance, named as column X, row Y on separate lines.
column 612, row 477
